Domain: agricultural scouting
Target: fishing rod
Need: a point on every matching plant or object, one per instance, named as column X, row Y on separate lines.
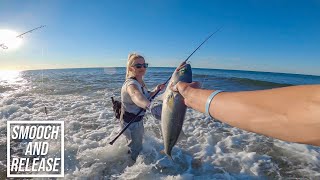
column 196, row 50
column 3, row 46
column 141, row 110
column 30, row 31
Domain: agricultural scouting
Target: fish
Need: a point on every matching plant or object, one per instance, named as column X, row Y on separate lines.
column 174, row 109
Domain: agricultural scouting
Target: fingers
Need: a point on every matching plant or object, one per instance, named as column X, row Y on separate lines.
column 182, row 86
column 195, row 84
column 174, row 88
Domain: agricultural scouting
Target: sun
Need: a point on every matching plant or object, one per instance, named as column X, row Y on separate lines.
column 9, row 39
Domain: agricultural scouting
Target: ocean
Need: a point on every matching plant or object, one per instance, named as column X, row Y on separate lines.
column 207, row 149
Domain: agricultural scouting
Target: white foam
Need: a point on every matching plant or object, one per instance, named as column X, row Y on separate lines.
column 207, row 150
column 7, row 111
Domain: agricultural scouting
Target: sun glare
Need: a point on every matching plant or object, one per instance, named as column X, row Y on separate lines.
column 9, row 39
column 9, row 76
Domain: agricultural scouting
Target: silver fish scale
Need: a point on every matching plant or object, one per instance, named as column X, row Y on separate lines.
column 174, row 110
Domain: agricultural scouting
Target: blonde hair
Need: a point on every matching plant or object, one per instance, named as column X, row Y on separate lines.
column 130, row 62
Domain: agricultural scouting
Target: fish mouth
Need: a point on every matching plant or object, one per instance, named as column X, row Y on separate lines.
column 186, row 68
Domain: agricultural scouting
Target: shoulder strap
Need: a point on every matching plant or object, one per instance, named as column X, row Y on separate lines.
column 134, row 78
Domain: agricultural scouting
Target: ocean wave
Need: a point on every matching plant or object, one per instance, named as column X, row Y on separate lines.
column 240, row 81
column 207, row 149
column 260, row 83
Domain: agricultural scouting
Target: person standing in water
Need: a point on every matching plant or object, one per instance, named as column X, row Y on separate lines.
column 134, row 96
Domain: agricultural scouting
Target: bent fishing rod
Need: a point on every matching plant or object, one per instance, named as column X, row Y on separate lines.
column 141, row 110
column 3, row 46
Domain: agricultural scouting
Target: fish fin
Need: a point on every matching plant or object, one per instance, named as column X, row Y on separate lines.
column 169, row 156
column 156, row 110
column 170, row 101
column 182, row 136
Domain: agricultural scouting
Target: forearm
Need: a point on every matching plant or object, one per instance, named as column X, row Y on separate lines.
column 276, row 112
column 137, row 97
column 140, row 101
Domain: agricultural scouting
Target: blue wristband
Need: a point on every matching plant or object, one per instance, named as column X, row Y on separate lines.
column 212, row 95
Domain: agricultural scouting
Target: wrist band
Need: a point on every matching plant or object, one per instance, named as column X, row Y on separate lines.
column 212, row 95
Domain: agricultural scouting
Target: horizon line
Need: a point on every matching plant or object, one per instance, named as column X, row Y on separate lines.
column 37, row 69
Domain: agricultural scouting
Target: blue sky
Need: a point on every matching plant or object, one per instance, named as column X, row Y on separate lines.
column 275, row 36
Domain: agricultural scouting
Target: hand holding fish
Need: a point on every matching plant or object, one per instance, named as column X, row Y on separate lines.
column 183, row 89
column 288, row 113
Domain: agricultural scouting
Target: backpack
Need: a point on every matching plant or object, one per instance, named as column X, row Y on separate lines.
column 116, row 106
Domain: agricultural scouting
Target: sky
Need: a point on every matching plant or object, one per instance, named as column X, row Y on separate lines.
column 258, row 35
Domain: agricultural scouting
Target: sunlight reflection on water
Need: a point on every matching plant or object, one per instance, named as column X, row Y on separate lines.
column 9, row 77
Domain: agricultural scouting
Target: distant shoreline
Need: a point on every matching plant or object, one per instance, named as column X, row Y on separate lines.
column 315, row 75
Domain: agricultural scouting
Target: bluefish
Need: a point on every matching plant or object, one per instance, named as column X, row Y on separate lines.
column 174, row 109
